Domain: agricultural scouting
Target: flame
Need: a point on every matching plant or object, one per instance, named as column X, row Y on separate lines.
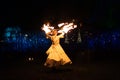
column 47, row 28
column 61, row 24
column 64, row 27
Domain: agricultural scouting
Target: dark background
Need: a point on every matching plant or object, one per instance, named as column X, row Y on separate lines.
column 89, row 62
column 31, row 14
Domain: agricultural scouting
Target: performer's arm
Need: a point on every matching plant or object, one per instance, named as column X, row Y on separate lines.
column 48, row 35
column 62, row 34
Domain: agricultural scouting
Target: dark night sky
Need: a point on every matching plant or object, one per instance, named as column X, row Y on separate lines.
column 31, row 14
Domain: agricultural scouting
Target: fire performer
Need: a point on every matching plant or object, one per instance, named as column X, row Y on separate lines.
column 56, row 54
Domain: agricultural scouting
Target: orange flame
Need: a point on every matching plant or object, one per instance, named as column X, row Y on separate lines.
column 65, row 27
column 47, row 28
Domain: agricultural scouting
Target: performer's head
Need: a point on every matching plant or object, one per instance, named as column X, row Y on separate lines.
column 54, row 32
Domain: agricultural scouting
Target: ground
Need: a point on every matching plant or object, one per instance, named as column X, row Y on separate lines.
column 77, row 71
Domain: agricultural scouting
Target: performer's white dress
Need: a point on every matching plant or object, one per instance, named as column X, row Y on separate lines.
column 56, row 54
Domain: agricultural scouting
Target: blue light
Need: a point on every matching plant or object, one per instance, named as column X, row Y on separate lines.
column 38, row 42
column 7, row 34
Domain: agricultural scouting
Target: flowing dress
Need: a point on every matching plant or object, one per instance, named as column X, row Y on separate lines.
column 56, row 54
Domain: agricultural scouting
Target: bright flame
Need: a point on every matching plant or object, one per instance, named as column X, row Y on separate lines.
column 65, row 27
column 47, row 28
column 61, row 24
